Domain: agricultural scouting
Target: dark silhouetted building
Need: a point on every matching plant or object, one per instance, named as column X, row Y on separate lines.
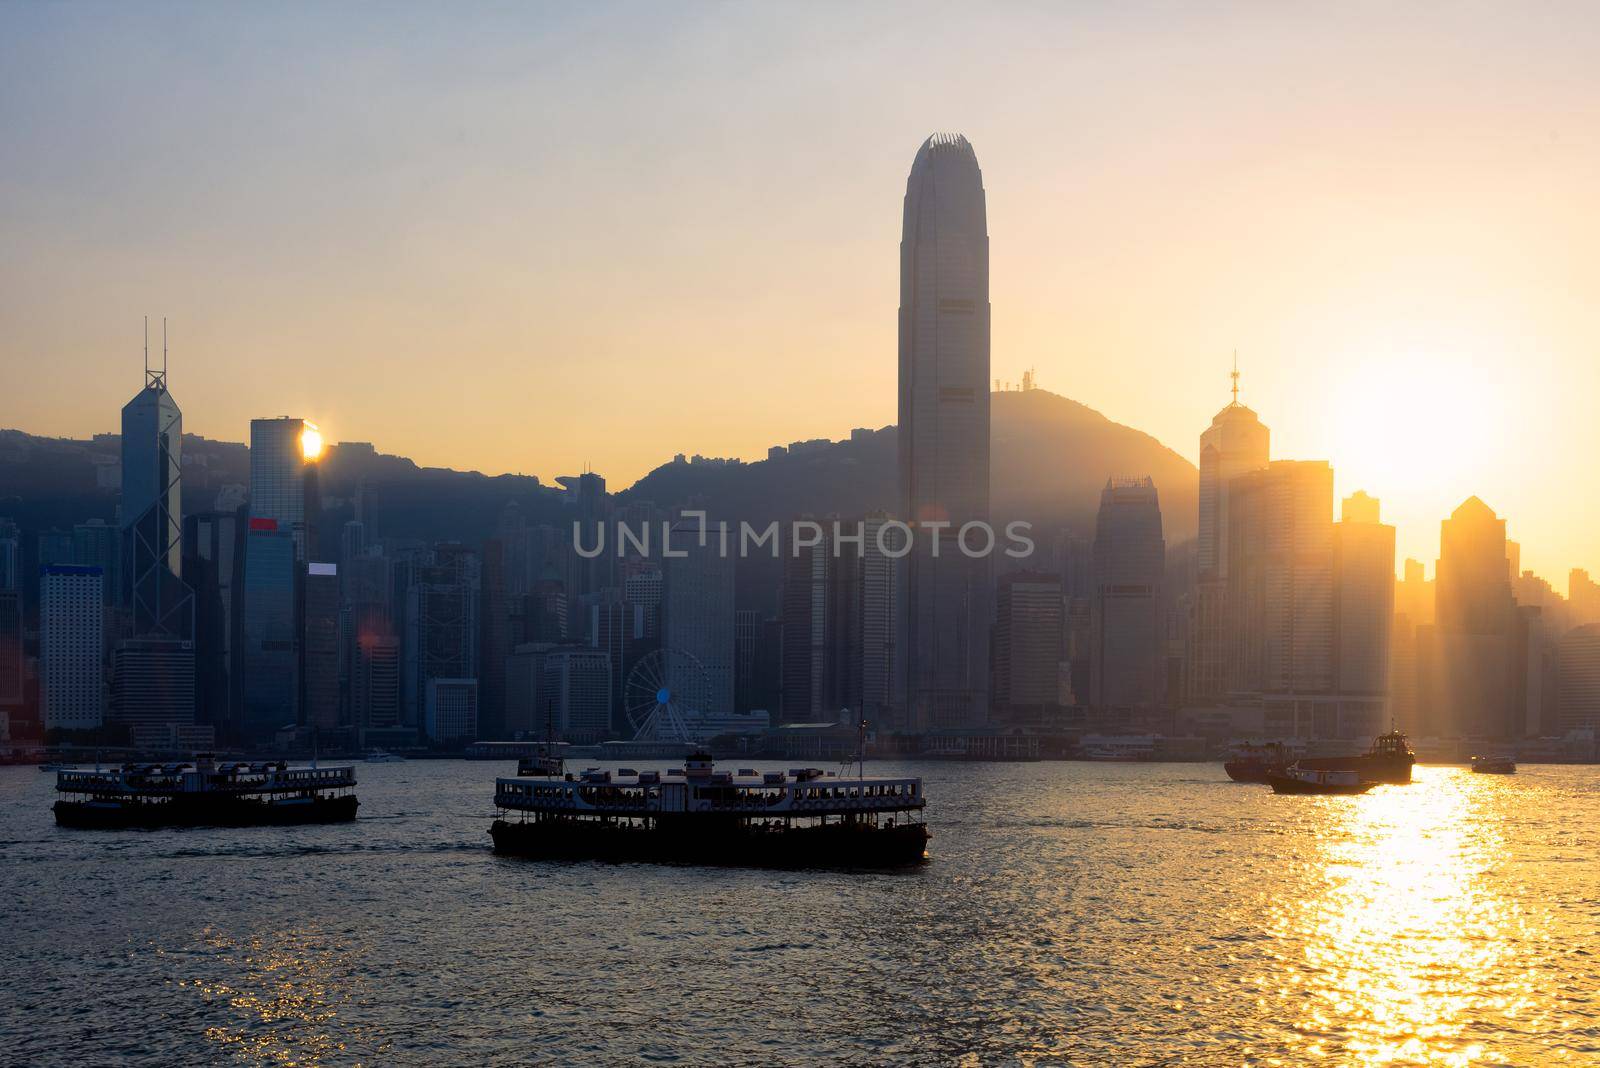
column 441, row 627
column 71, row 647
column 1363, row 610
column 270, row 630
column 697, row 606
column 944, row 435
column 1028, row 641
column 158, row 602
column 153, row 690
column 1579, row 702
column 1471, row 682
column 320, row 647
column 577, row 685
column 1127, row 627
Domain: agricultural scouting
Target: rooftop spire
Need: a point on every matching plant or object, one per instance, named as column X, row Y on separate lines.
column 155, row 379
column 1235, row 376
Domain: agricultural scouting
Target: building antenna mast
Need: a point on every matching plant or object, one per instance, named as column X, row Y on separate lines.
column 154, row 379
column 1235, row 376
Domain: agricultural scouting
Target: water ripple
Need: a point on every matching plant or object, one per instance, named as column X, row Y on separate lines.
column 1070, row 914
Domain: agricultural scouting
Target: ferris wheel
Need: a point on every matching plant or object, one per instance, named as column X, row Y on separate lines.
column 656, row 693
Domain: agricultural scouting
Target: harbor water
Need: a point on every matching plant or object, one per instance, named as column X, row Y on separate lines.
column 1069, row 913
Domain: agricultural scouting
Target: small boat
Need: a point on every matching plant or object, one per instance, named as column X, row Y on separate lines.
column 54, row 767
column 1298, row 780
column 380, row 756
column 1494, row 765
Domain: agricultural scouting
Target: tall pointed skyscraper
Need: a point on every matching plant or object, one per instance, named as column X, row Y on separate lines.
column 944, row 434
column 1236, row 443
column 152, row 509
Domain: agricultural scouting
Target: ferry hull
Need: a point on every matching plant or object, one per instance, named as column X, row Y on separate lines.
column 1287, row 784
column 202, row 811
column 837, row 845
column 1384, row 769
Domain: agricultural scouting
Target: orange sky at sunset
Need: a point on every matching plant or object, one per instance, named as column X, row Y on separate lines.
column 601, row 246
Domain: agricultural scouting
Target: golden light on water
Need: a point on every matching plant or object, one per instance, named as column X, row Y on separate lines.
column 311, row 442
column 282, row 997
column 1410, row 955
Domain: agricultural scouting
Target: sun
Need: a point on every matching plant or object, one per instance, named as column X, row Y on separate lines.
column 1411, row 422
column 310, row 442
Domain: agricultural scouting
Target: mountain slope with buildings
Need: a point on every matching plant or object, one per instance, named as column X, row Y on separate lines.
column 1051, row 458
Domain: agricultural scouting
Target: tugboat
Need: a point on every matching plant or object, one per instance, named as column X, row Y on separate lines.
column 205, row 794
column 1501, row 765
column 697, row 815
column 1389, row 760
column 1253, row 763
column 1298, row 780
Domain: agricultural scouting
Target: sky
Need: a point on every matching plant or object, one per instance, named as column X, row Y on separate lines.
column 535, row 238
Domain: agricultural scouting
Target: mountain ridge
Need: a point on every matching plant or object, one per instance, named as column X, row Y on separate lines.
column 1050, row 456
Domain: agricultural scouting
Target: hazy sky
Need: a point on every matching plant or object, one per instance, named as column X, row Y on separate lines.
column 529, row 237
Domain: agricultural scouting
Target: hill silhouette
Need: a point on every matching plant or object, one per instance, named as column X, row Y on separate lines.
column 1050, row 458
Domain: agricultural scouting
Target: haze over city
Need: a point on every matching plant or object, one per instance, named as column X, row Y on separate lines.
column 367, row 221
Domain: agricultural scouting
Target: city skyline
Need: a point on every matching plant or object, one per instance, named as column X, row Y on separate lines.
column 1456, row 324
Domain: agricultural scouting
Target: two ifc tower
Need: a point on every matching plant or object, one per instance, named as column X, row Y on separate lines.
column 944, row 615
column 151, row 587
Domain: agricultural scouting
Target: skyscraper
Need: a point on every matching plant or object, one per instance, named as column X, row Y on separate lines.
column 375, row 683
column 320, row 647
column 577, row 684
column 270, row 631
column 1280, row 575
column 152, row 512
column 99, row 544
column 11, row 680
column 1280, row 579
column 1127, row 632
column 804, row 609
column 1583, row 595
column 1235, row 443
column 1363, row 561
column 1579, row 699
column 441, row 627
column 10, row 556
column 153, row 690
column 214, row 548
column 944, row 434
column 1473, row 594
column 1471, row 685
column 1028, row 642
column 71, row 646
column 280, row 452
column 697, row 606
column 450, row 709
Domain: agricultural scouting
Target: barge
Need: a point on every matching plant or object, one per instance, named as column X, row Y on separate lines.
column 803, row 818
column 1388, row 760
column 204, row 793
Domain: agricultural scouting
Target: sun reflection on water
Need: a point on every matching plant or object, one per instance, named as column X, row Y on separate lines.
column 1409, row 954
column 283, row 994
